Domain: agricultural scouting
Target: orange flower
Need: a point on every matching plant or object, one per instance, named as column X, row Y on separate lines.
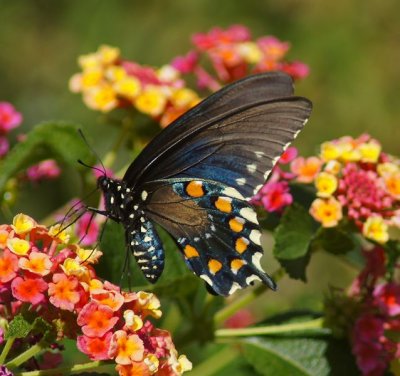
column 63, row 292
column 328, row 212
column 8, row 266
column 126, row 348
column 28, row 290
column 96, row 320
column 134, row 369
column 38, row 263
column 306, row 169
column 392, row 182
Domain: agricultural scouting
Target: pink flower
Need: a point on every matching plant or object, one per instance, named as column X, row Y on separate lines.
column 9, row 117
column 186, row 64
column 96, row 320
column 96, row 348
column 63, row 292
column 126, row 348
column 296, row 69
column 273, row 48
column 47, row 169
column 87, row 229
column 29, row 289
column 387, row 297
column 274, row 196
column 306, row 169
column 363, row 193
column 289, row 154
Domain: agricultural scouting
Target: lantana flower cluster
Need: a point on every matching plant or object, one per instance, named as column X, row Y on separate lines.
column 41, row 272
column 108, row 81
column 370, row 316
column 353, row 179
column 233, row 54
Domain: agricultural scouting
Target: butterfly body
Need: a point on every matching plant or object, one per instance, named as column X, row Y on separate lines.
column 195, row 179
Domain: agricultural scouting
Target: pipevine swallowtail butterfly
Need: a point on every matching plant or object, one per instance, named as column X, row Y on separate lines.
column 196, row 177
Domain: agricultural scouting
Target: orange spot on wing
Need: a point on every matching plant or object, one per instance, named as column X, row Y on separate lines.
column 195, row 189
column 236, row 264
column 236, row 224
column 241, row 244
column 190, row 251
column 224, row 204
column 214, row 266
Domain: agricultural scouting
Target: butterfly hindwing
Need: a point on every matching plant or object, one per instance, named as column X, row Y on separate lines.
column 215, row 229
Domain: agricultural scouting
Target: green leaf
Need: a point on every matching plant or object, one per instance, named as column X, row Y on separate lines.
column 48, row 140
column 19, row 327
column 295, row 357
column 335, row 240
column 294, row 234
column 299, row 356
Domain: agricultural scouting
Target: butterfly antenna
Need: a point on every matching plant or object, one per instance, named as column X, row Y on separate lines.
column 94, row 152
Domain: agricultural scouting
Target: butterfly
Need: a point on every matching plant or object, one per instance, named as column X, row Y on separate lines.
column 196, row 177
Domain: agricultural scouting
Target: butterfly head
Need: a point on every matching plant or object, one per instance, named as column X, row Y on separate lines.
column 117, row 197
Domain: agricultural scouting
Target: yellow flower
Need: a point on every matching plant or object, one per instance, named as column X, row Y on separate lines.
column 115, row 73
column 18, row 246
column 152, row 363
column 167, row 73
column 101, row 98
column 128, row 87
column 326, row 184
column 183, row 97
column 333, row 167
column 89, row 61
column 330, row 151
column 370, row 151
column 250, row 52
column 327, row 211
column 376, row 229
column 90, row 256
column 23, row 224
column 392, row 182
column 149, row 304
column 56, row 232
column 387, row 168
column 91, row 78
column 151, row 101
column 132, row 321
column 108, row 54
column 74, row 267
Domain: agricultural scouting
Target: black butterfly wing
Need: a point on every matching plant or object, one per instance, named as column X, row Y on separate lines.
column 215, row 229
column 235, row 136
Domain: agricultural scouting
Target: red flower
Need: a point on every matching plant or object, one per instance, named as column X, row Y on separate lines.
column 29, row 290
column 9, row 117
column 96, row 348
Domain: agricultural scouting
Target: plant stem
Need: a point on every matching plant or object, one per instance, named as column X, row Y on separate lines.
column 271, row 329
column 6, row 350
column 244, row 300
column 35, row 349
column 214, row 363
column 99, row 367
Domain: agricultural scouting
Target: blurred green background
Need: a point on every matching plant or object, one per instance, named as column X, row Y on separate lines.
column 352, row 48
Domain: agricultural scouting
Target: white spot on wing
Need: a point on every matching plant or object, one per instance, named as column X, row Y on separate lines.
column 150, row 249
column 206, row 278
column 249, row 214
column 255, row 237
column 144, row 195
column 142, row 229
column 241, row 181
column 137, row 254
column 252, row 167
column 135, row 207
column 259, row 154
column 232, row 192
column 256, row 189
column 256, row 260
column 131, row 215
column 235, row 286
column 252, row 278
column 147, row 239
column 266, row 174
column 112, row 199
